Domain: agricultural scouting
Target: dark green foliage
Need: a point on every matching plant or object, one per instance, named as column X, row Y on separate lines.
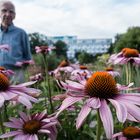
column 37, row 39
column 85, row 58
column 130, row 39
column 61, row 48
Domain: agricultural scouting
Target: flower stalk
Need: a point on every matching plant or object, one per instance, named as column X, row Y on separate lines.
column 99, row 125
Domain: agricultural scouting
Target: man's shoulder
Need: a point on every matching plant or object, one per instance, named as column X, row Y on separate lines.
column 18, row 29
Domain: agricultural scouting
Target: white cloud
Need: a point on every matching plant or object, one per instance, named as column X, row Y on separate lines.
column 86, row 18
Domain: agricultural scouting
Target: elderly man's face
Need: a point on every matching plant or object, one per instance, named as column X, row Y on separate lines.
column 7, row 14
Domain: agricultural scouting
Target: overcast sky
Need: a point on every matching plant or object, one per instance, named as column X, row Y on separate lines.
column 83, row 18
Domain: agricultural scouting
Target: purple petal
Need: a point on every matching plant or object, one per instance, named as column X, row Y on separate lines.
column 33, row 137
column 68, row 102
column 1, row 100
column 23, row 116
column 25, row 102
column 24, row 94
column 106, row 118
column 132, row 98
column 131, row 118
column 132, row 109
column 44, row 131
column 94, row 103
column 118, row 135
column 82, row 116
column 7, row 95
column 11, row 134
column 121, row 110
column 12, row 125
column 16, row 121
column 49, row 124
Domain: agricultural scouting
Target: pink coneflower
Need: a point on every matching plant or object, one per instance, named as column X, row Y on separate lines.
column 97, row 92
column 81, row 73
column 125, row 56
column 19, row 93
column 29, row 127
column 43, row 49
column 111, row 71
column 37, row 77
column 7, row 72
column 24, row 63
column 5, row 47
column 64, row 69
column 128, row 133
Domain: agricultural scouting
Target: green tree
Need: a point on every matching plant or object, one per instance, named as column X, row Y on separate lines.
column 85, row 58
column 130, row 39
column 37, row 39
column 61, row 49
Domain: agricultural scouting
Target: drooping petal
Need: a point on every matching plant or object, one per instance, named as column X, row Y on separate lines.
column 8, row 95
column 16, row 121
column 106, row 118
column 132, row 109
column 117, row 134
column 23, row 116
column 121, row 110
column 132, row 98
column 25, row 101
column 131, row 118
column 94, row 103
column 22, row 137
column 44, row 131
column 10, row 134
column 12, row 125
column 68, row 102
column 1, row 100
column 33, row 137
column 82, row 115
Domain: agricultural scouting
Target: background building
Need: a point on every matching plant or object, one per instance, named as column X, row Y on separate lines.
column 92, row 46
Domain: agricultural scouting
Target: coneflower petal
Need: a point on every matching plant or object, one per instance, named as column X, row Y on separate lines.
column 1, row 101
column 121, row 110
column 132, row 110
column 94, row 103
column 25, row 102
column 10, row 134
column 68, row 102
column 106, row 118
column 82, row 116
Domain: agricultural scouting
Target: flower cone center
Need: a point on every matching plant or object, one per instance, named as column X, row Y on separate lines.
column 32, row 127
column 109, row 69
column 64, row 63
column 102, row 85
column 131, row 132
column 83, row 67
column 4, row 82
column 127, row 52
column 2, row 68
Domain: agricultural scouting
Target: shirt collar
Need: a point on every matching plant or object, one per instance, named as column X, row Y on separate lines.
column 11, row 27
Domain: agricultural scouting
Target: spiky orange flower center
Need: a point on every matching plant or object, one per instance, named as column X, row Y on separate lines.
column 4, row 82
column 131, row 132
column 102, row 85
column 127, row 52
column 83, row 67
column 109, row 69
column 31, row 126
column 64, row 63
column 2, row 68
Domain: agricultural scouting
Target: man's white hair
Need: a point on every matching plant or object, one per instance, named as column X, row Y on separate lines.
column 2, row 2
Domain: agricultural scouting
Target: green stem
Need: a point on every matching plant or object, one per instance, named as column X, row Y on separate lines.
column 48, row 82
column 99, row 125
column 1, row 121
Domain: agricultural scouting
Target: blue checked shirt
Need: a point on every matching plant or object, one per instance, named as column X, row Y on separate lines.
column 19, row 51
